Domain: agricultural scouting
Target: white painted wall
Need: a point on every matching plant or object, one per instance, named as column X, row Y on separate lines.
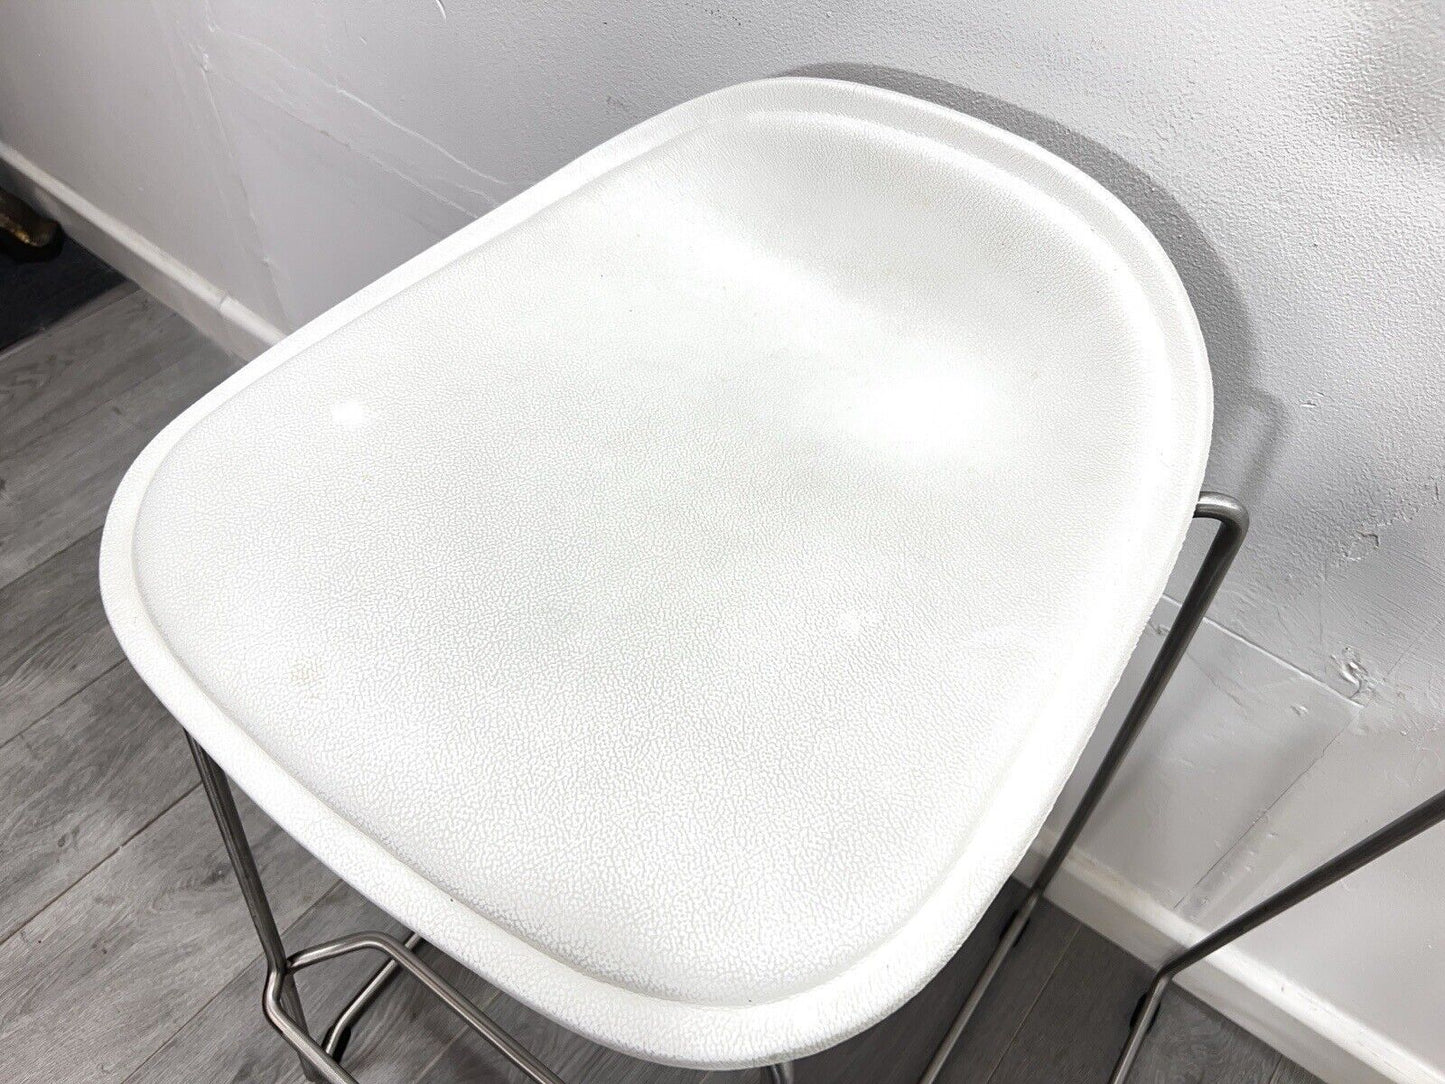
column 1290, row 154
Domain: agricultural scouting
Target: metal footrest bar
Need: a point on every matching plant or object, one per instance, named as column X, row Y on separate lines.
column 402, row 956
column 338, row 1035
column 1425, row 815
column 280, row 1002
column 1233, row 523
column 321, row 1061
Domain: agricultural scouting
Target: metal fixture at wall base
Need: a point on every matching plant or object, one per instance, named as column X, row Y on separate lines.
column 1425, row 815
column 322, row 1061
column 26, row 234
column 1233, row 523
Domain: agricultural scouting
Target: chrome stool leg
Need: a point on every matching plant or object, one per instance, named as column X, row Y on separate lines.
column 1425, row 815
column 782, row 1073
column 280, row 1002
column 1233, row 523
column 233, row 834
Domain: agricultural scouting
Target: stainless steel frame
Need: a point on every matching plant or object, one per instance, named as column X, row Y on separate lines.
column 280, row 1002
column 322, row 1061
column 1233, row 523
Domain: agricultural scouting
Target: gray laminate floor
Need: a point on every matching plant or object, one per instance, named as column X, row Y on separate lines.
column 125, row 952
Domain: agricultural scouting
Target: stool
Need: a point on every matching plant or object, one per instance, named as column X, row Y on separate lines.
column 681, row 594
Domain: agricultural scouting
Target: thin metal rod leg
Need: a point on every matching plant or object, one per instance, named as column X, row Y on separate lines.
column 280, row 1001
column 782, row 1073
column 1424, row 816
column 1233, row 523
column 233, row 834
column 1010, row 937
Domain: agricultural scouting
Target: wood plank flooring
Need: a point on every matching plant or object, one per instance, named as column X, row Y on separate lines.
column 126, row 954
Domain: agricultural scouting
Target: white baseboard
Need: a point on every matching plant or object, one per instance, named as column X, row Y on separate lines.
column 219, row 316
column 1329, row 1043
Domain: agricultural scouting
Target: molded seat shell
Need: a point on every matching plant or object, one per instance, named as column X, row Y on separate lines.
column 681, row 594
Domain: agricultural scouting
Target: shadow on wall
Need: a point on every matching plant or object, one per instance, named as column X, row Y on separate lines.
column 1248, row 419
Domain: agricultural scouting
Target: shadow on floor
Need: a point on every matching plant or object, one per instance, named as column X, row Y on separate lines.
column 35, row 295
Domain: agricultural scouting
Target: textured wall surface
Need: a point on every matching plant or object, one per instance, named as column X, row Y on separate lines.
column 1290, row 156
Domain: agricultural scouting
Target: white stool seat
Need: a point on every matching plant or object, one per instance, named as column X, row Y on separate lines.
column 681, row 594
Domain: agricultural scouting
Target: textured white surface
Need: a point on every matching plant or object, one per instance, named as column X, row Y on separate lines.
column 1289, row 156
column 682, row 593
